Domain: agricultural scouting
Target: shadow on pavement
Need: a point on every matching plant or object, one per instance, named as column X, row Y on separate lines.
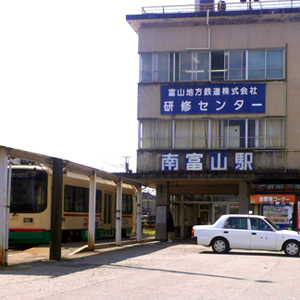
column 87, row 260
column 249, row 253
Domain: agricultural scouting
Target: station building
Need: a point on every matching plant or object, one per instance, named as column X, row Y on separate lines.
column 218, row 110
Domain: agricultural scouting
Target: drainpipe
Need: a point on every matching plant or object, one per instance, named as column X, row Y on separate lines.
column 208, row 29
column 285, row 114
column 208, row 35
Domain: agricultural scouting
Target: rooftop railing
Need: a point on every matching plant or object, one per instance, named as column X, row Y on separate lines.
column 223, row 5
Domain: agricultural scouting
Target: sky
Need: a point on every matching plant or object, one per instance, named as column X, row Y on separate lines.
column 68, row 79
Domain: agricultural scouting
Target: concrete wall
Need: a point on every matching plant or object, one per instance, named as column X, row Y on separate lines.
column 176, row 36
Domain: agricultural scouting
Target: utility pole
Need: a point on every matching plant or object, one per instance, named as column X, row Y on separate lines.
column 127, row 163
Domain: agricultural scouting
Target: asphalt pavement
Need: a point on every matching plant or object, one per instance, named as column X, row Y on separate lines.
column 152, row 270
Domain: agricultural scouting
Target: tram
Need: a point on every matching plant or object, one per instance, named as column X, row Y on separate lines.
column 30, row 206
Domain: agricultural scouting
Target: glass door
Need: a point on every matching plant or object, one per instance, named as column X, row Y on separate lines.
column 220, row 210
column 224, row 209
column 204, row 216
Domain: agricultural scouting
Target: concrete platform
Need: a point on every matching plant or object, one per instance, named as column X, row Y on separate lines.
column 69, row 250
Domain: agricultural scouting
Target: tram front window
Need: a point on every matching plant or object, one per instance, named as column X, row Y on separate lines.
column 28, row 191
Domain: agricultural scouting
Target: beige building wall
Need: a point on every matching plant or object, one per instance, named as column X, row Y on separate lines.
column 265, row 32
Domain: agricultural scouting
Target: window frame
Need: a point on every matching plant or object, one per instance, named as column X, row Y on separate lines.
column 217, row 134
column 229, row 223
column 174, row 63
column 29, row 191
column 194, row 66
column 155, row 68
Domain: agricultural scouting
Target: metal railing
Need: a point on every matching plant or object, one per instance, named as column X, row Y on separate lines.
column 222, row 5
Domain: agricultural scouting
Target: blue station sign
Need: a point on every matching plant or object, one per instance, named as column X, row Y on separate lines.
column 230, row 98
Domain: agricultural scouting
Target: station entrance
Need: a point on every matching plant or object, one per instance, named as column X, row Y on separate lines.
column 190, row 210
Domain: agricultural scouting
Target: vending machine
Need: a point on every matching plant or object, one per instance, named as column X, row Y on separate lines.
column 279, row 213
column 297, row 213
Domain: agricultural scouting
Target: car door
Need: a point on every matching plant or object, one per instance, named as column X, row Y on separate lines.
column 263, row 236
column 237, row 233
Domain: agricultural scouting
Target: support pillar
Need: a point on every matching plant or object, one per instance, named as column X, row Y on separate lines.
column 56, row 210
column 119, row 213
column 244, row 202
column 162, row 206
column 92, row 212
column 182, row 221
column 134, row 215
column 4, row 230
column 139, row 215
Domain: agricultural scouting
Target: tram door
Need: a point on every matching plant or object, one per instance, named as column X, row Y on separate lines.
column 107, row 210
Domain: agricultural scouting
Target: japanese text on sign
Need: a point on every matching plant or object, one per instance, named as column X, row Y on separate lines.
column 213, row 99
column 218, row 161
column 272, row 198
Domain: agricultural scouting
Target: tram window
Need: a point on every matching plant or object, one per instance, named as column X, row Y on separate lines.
column 68, row 199
column 76, row 199
column 28, row 191
column 99, row 201
column 127, row 204
column 81, row 200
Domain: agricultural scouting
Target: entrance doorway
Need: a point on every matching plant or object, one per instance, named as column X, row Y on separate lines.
column 193, row 210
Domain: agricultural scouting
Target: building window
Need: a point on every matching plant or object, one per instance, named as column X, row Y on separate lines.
column 164, row 134
column 183, row 133
column 234, row 133
column 264, row 64
column 218, row 66
column 155, row 67
column 236, row 65
column 194, row 66
column 272, row 131
column 148, row 134
column 212, row 134
column 155, row 134
column 200, row 133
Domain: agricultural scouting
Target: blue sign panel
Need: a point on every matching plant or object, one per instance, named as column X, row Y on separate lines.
column 229, row 98
column 219, row 161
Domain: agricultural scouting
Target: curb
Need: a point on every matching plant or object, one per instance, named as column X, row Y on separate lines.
column 111, row 245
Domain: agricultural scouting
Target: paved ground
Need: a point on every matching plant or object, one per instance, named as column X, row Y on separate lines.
column 155, row 270
column 19, row 255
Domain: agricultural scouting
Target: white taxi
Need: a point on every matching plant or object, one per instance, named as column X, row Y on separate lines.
column 246, row 232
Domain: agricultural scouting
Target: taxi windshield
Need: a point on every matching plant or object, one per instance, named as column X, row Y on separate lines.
column 272, row 224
